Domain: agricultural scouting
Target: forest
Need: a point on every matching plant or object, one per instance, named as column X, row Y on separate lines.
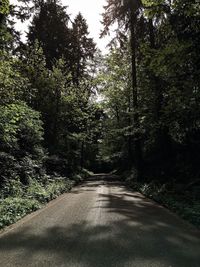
column 67, row 110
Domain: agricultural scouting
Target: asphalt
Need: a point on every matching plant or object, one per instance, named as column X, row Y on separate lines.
column 101, row 223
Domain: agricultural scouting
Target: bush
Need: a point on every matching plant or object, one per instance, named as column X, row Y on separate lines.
column 85, row 173
column 12, row 209
column 13, row 188
column 55, row 164
column 52, row 189
column 9, row 167
column 185, row 204
column 37, row 191
column 58, row 187
column 77, row 178
column 18, row 200
column 20, row 129
column 21, row 134
column 81, row 176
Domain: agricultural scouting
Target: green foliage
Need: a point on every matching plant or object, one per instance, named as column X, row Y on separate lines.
column 185, row 203
column 4, row 7
column 13, row 188
column 118, row 132
column 167, row 106
column 21, row 134
column 37, row 191
column 13, row 209
column 51, row 18
column 83, row 49
column 17, row 200
column 52, row 189
column 12, row 84
column 20, row 128
column 77, row 178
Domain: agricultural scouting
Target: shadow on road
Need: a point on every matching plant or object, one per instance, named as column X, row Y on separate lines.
column 135, row 232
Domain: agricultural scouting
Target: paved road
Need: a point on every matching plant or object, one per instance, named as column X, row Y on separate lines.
column 101, row 224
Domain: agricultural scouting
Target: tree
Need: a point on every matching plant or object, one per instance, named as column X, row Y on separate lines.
column 12, row 84
column 50, row 27
column 4, row 34
column 21, row 136
column 83, row 48
column 115, row 79
column 166, row 41
column 125, row 13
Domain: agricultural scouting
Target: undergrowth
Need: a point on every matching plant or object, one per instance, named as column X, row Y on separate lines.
column 18, row 200
column 186, row 203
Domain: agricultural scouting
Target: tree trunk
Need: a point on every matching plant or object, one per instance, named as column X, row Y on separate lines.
column 137, row 141
column 130, row 154
column 82, row 155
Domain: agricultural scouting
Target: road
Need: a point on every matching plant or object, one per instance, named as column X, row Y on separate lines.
column 101, row 224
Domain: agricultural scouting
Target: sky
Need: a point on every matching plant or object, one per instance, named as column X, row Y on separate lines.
column 91, row 11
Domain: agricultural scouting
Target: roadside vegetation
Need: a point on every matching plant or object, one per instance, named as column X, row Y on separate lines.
column 145, row 122
column 49, row 123
column 179, row 198
column 150, row 84
column 18, row 200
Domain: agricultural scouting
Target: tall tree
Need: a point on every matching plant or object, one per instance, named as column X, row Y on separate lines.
column 4, row 34
column 83, row 48
column 50, row 27
column 126, row 13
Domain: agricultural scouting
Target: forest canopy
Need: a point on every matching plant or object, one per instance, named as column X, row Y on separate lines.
column 65, row 107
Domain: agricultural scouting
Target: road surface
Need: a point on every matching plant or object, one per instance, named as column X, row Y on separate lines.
column 101, row 224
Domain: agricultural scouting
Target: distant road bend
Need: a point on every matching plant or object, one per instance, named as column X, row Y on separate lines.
column 101, row 224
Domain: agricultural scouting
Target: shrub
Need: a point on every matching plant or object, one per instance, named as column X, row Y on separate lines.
column 37, row 191
column 21, row 134
column 55, row 164
column 184, row 204
column 9, row 167
column 13, row 188
column 58, row 187
column 12, row 209
column 20, row 128
column 77, row 178
column 85, row 173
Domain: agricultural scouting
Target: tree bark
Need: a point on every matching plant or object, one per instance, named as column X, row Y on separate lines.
column 82, row 155
column 137, row 141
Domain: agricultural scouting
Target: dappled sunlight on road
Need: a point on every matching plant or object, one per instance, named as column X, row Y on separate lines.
column 113, row 227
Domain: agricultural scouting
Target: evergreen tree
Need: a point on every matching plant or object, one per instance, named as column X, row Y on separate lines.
column 83, row 48
column 50, row 27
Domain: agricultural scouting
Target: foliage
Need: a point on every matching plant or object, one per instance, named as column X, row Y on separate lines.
column 12, row 209
column 4, row 8
column 167, row 72
column 51, row 123
column 118, row 128
column 52, row 189
column 13, row 188
column 50, row 27
column 184, row 203
column 83, row 49
column 20, row 127
column 17, row 200
column 12, row 84
column 21, row 134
